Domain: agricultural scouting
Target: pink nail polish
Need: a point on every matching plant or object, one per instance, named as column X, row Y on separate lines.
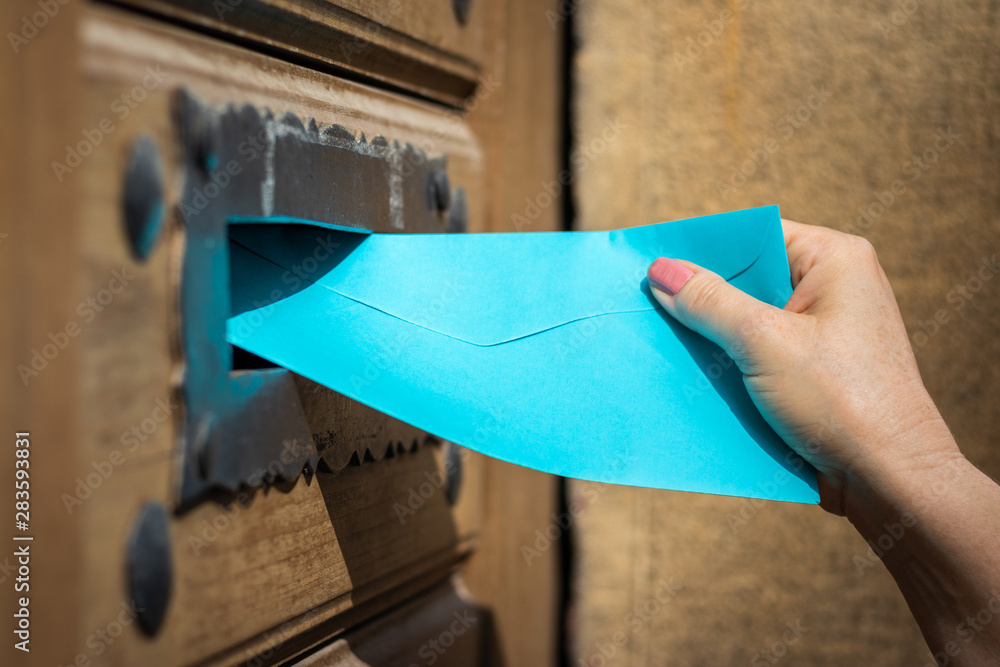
column 669, row 275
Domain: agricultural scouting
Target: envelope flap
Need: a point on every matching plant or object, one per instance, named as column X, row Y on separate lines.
column 487, row 289
column 726, row 243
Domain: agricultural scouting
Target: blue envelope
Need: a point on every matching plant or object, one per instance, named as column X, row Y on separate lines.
column 544, row 349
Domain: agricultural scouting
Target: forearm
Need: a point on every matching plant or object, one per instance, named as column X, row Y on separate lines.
column 936, row 526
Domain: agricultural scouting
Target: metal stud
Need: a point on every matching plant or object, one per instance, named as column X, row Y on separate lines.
column 461, row 8
column 440, row 190
column 142, row 200
column 150, row 573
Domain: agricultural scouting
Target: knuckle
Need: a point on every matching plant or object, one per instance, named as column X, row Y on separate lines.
column 856, row 246
column 853, row 252
column 863, row 246
column 701, row 293
column 862, row 255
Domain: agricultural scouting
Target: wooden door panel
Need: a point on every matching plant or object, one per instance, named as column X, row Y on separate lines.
column 271, row 576
column 421, row 47
column 276, row 570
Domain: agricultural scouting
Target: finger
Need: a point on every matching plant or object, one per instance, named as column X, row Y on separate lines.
column 826, row 265
column 705, row 303
column 804, row 245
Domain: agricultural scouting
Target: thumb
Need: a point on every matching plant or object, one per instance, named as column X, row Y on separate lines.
column 704, row 302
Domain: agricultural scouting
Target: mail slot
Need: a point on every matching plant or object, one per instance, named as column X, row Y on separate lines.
column 244, row 425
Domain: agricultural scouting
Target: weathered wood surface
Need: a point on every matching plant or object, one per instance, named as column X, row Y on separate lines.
column 296, row 565
column 40, row 218
column 288, row 567
column 421, row 47
column 846, row 101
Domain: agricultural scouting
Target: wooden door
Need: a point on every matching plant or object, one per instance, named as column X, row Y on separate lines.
column 377, row 544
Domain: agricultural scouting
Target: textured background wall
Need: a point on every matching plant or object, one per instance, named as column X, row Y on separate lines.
column 888, row 108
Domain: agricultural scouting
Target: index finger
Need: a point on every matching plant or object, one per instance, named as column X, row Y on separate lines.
column 805, row 245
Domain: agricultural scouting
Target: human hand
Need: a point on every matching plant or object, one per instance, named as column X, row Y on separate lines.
column 833, row 372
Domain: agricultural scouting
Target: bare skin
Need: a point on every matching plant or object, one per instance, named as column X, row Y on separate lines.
column 834, row 374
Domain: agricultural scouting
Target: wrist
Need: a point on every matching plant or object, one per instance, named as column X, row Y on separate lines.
column 902, row 476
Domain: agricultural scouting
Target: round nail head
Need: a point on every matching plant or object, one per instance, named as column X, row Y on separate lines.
column 150, row 573
column 143, row 204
